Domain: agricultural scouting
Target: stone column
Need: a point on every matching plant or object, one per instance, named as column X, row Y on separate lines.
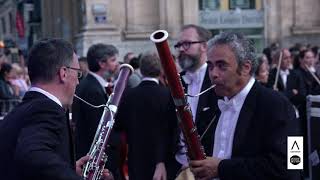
column 142, row 18
column 170, row 16
column 190, row 12
column 97, row 25
column 306, row 17
column 273, row 21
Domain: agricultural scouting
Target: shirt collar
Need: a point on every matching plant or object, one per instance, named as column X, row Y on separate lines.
column 286, row 72
column 241, row 96
column 150, row 79
column 101, row 81
column 195, row 77
column 46, row 93
column 200, row 71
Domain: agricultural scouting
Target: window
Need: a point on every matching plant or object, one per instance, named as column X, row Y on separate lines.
column 242, row 4
column 209, row 4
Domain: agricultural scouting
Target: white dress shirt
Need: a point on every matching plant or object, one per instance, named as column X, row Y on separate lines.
column 194, row 81
column 230, row 110
column 284, row 77
column 49, row 95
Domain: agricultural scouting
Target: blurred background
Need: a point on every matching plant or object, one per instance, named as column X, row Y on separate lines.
column 128, row 23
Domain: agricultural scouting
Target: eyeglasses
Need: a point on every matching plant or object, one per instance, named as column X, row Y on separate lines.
column 186, row 45
column 79, row 71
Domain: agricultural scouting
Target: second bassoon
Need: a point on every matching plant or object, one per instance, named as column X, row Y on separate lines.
column 194, row 147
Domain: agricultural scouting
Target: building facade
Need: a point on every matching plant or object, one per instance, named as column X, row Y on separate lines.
column 128, row 23
column 7, row 20
column 292, row 21
column 19, row 23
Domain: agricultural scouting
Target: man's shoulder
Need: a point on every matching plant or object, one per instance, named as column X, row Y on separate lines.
column 36, row 98
column 267, row 95
column 34, row 107
column 148, row 89
column 295, row 73
column 89, row 85
column 41, row 104
column 299, row 71
column 273, row 71
column 148, row 86
column 89, row 79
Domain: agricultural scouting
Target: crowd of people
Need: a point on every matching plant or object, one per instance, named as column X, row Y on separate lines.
column 243, row 123
column 14, row 82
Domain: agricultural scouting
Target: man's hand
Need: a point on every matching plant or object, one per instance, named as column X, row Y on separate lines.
column 160, row 172
column 106, row 174
column 205, row 169
column 80, row 163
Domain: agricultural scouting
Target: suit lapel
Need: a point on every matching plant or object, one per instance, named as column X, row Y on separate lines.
column 95, row 83
column 245, row 118
column 291, row 80
column 281, row 84
column 71, row 140
column 185, row 86
column 203, row 98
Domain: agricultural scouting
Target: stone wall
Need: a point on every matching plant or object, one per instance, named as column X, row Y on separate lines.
column 130, row 22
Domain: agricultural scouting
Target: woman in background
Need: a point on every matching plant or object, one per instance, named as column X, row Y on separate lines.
column 7, row 89
column 262, row 71
column 19, row 79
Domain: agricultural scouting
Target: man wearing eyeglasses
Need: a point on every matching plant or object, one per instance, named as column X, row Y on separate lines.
column 101, row 59
column 191, row 54
column 35, row 137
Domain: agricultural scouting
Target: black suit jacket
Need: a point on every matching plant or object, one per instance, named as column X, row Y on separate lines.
column 207, row 107
column 147, row 115
column 311, row 85
column 87, row 119
column 35, row 141
column 294, row 81
column 260, row 140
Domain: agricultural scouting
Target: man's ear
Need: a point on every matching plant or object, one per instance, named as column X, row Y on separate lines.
column 62, row 74
column 102, row 64
column 204, row 47
column 246, row 68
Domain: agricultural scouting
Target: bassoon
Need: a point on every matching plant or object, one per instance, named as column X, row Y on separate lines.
column 278, row 71
column 94, row 167
column 194, row 147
